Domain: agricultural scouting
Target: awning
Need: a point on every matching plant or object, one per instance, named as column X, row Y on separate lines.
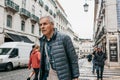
column 20, row 38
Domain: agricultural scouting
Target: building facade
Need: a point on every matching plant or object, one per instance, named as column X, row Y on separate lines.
column 19, row 19
column 107, row 29
column 86, row 47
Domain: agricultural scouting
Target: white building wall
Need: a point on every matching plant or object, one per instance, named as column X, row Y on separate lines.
column 1, row 17
column 111, row 20
column 39, row 11
column 86, row 47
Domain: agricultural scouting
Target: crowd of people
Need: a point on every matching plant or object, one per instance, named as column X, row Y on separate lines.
column 56, row 59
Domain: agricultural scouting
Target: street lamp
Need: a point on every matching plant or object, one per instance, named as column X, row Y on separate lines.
column 86, row 7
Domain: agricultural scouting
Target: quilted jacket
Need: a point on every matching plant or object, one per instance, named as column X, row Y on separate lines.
column 65, row 58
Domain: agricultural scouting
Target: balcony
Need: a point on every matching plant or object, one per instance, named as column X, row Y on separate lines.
column 54, row 4
column 46, row 8
column 58, row 12
column 54, row 15
column 34, row 18
column 41, row 3
column 10, row 5
column 24, row 13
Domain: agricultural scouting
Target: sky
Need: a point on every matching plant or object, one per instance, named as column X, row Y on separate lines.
column 82, row 22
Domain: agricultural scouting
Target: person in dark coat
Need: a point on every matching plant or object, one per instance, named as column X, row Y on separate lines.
column 93, row 59
column 59, row 60
column 100, row 58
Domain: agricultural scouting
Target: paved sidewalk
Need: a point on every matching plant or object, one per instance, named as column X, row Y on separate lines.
column 86, row 72
column 113, row 78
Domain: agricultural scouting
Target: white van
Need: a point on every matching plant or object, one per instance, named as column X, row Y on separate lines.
column 14, row 54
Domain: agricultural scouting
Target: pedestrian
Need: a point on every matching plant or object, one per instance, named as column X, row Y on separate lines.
column 32, row 73
column 93, row 60
column 32, row 49
column 59, row 60
column 34, row 62
column 100, row 58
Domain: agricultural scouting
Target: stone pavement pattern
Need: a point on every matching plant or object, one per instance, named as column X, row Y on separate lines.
column 86, row 72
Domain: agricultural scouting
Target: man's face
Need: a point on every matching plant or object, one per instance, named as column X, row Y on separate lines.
column 99, row 49
column 46, row 26
column 95, row 48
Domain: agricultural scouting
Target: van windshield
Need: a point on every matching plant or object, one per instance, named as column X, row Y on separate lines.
column 4, row 51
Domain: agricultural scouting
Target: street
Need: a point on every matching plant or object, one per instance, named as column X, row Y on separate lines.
column 16, row 74
column 85, row 68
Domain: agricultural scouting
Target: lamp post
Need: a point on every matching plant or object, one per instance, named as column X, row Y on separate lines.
column 86, row 7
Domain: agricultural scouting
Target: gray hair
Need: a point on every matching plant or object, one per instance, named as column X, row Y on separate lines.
column 49, row 18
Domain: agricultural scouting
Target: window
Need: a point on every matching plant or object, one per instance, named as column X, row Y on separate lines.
column 118, row 13
column 33, row 9
column 32, row 31
column 40, row 13
column 23, row 3
column 54, row 15
column 51, row 12
column 22, row 25
column 46, row 8
column 14, row 53
column 57, row 24
column 9, row 21
column 41, row 3
column 4, row 51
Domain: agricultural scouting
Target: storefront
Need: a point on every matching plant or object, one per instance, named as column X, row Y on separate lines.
column 113, row 50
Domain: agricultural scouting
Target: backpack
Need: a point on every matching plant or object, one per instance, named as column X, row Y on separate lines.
column 89, row 57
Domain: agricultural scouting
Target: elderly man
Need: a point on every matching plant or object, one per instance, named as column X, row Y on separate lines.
column 59, row 60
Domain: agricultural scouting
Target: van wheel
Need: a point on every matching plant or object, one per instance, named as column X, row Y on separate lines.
column 9, row 67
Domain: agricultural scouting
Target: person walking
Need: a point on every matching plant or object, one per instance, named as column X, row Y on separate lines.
column 32, row 73
column 34, row 62
column 100, row 58
column 59, row 60
column 93, row 60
